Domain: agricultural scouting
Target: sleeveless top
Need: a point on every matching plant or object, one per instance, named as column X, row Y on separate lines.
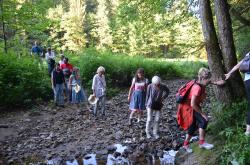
column 140, row 85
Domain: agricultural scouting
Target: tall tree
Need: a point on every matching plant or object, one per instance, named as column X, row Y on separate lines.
column 103, row 31
column 73, row 25
column 227, row 46
column 214, row 55
column 3, row 26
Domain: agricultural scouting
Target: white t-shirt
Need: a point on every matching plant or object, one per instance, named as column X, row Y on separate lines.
column 61, row 62
column 247, row 75
column 99, row 85
column 50, row 55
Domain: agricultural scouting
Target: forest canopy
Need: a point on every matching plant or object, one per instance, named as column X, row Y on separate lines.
column 162, row 28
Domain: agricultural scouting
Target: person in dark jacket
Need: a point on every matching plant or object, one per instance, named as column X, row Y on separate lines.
column 58, row 81
column 156, row 93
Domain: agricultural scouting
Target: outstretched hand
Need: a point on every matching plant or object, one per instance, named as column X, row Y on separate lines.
column 227, row 76
column 221, row 82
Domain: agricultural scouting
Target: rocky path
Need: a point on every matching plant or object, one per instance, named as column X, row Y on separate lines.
column 44, row 132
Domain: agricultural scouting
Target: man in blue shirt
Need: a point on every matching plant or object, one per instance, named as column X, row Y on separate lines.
column 36, row 49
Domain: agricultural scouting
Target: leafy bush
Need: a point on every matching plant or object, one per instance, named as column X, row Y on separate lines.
column 22, row 81
column 121, row 68
column 229, row 127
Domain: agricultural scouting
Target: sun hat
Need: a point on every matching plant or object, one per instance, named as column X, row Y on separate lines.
column 77, row 88
column 92, row 99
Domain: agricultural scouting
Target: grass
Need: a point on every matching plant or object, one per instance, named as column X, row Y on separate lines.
column 120, row 68
column 206, row 157
column 29, row 83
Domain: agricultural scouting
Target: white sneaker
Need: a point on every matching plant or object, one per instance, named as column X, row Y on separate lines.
column 206, row 146
column 156, row 136
column 247, row 133
column 187, row 149
column 148, row 136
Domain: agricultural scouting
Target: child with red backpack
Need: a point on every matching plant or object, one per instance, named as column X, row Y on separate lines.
column 190, row 115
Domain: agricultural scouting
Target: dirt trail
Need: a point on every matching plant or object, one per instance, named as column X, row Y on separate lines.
column 45, row 132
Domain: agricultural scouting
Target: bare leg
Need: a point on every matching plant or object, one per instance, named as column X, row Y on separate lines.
column 139, row 116
column 201, row 134
column 131, row 116
column 188, row 137
column 248, row 128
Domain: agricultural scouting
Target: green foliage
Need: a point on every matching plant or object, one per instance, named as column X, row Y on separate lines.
column 121, row 68
column 22, row 81
column 229, row 128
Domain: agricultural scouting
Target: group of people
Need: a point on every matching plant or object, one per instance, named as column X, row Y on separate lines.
column 142, row 96
column 67, row 85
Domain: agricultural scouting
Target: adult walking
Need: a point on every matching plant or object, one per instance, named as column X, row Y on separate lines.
column 99, row 90
column 36, row 50
column 156, row 93
column 58, row 81
column 137, row 95
column 50, row 58
column 246, row 62
column 67, row 69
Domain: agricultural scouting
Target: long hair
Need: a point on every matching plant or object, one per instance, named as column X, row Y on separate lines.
column 141, row 71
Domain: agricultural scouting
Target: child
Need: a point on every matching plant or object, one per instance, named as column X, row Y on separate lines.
column 156, row 93
column 137, row 94
column 75, row 85
column 190, row 115
column 99, row 90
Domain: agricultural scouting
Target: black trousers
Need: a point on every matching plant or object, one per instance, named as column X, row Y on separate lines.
column 198, row 122
column 247, row 85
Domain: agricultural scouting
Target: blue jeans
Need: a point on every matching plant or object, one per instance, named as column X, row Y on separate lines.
column 58, row 94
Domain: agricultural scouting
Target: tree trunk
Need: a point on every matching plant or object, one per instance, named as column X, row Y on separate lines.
column 213, row 51
column 3, row 28
column 227, row 46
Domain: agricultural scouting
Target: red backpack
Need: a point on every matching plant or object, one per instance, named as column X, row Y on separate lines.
column 184, row 91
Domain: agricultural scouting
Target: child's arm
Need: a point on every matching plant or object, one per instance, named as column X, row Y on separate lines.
column 131, row 89
column 94, row 85
column 70, row 82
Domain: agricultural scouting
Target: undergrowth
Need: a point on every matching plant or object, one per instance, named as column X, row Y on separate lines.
column 228, row 129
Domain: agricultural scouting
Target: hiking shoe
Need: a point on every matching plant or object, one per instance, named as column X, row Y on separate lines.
column 156, row 136
column 148, row 135
column 247, row 133
column 187, row 149
column 130, row 122
column 62, row 106
column 206, row 146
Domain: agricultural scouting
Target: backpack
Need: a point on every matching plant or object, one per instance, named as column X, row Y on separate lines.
column 245, row 65
column 184, row 91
